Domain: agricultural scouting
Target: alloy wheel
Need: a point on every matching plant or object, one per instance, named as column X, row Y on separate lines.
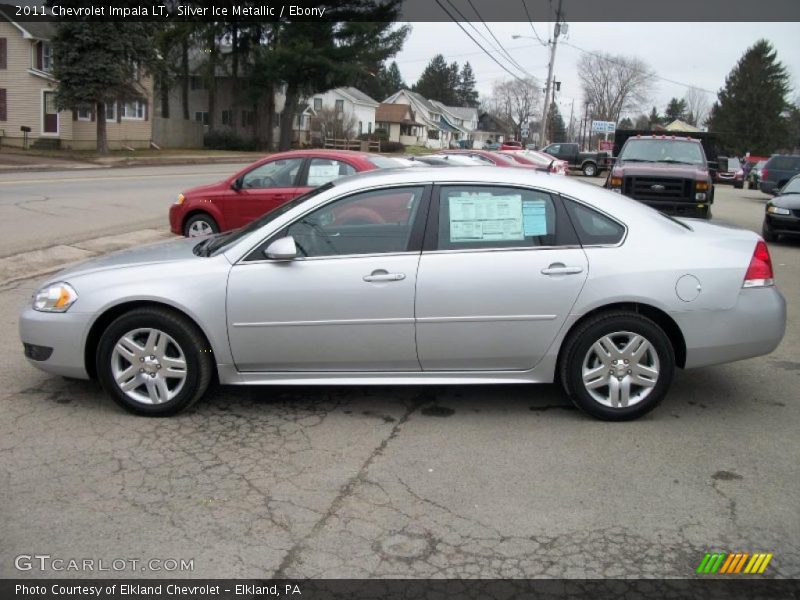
column 200, row 227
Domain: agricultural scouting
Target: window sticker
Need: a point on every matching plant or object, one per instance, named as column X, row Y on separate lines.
column 321, row 174
column 485, row 217
column 534, row 218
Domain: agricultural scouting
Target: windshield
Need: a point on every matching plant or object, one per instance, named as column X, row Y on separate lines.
column 677, row 151
column 222, row 242
column 793, row 187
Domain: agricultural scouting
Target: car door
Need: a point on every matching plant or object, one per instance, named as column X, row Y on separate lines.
column 264, row 188
column 500, row 270
column 345, row 304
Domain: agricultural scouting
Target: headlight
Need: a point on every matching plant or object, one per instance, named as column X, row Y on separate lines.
column 181, row 199
column 777, row 210
column 57, row 297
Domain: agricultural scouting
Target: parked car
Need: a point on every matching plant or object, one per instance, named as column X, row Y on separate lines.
column 511, row 145
column 263, row 186
column 490, row 158
column 782, row 213
column 754, row 175
column 432, row 294
column 491, row 146
column 779, row 169
column 729, row 167
column 538, row 159
column 589, row 163
column 447, row 160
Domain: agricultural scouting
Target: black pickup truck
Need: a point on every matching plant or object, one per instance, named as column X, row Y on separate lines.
column 668, row 172
column 591, row 163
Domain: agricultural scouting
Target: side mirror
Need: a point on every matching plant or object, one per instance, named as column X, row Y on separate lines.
column 237, row 184
column 282, row 249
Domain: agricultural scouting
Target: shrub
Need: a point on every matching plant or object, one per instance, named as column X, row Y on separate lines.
column 226, row 140
column 392, row 147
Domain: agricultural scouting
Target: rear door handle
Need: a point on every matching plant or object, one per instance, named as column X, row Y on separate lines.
column 383, row 276
column 560, row 269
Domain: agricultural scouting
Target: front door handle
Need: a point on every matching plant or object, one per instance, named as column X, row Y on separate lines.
column 382, row 275
column 561, row 269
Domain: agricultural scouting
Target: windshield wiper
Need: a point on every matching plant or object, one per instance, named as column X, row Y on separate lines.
column 635, row 159
column 677, row 162
column 200, row 249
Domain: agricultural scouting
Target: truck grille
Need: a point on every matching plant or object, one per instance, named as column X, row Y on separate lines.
column 658, row 188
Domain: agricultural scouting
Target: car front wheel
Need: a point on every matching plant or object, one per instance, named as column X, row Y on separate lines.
column 617, row 366
column 200, row 224
column 154, row 362
column 590, row 170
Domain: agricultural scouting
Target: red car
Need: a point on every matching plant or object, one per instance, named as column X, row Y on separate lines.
column 263, row 186
column 511, row 145
column 538, row 159
column 494, row 158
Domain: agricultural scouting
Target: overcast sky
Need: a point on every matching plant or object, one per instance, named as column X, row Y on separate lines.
column 699, row 54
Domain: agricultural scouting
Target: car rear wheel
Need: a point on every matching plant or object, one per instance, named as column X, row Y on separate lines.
column 590, row 170
column 200, row 224
column 154, row 362
column 617, row 366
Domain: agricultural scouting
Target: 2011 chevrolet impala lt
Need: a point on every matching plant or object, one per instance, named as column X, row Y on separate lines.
column 419, row 276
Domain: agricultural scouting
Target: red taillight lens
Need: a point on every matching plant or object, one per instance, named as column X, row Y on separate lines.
column 759, row 273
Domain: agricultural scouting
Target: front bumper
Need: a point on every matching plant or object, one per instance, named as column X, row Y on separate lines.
column 681, row 209
column 782, row 224
column 64, row 333
column 176, row 219
column 753, row 327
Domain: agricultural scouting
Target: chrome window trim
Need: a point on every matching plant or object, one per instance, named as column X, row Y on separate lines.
column 509, row 249
column 335, row 257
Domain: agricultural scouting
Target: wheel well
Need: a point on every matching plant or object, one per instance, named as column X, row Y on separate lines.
column 108, row 317
column 659, row 317
column 196, row 212
column 588, row 162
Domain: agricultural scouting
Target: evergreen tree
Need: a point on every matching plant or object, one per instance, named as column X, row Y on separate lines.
column 556, row 130
column 676, row 109
column 749, row 112
column 96, row 63
column 654, row 118
column 642, row 123
column 437, row 81
column 393, row 80
column 625, row 123
column 467, row 94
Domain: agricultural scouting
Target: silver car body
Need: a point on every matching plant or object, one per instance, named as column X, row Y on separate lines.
column 465, row 316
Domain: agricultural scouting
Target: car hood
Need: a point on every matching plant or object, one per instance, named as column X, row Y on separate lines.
column 165, row 252
column 660, row 170
column 205, row 189
column 791, row 201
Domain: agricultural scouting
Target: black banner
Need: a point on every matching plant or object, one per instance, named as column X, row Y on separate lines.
column 731, row 588
column 412, row 10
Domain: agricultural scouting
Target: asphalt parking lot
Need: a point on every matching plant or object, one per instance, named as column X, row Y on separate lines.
column 487, row 481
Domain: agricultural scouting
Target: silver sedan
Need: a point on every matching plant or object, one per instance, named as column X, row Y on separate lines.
column 418, row 276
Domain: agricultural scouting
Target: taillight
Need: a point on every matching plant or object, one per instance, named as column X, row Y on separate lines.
column 759, row 273
column 764, row 173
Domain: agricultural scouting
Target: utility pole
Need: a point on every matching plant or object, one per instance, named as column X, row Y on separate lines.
column 553, row 44
column 571, row 129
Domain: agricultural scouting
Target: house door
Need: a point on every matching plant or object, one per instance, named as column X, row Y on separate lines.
column 50, row 112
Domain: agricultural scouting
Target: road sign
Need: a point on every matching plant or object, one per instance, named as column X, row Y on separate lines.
column 604, row 126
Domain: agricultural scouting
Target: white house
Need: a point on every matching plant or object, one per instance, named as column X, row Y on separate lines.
column 434, row 132
column 463, row 119
column 348, row 101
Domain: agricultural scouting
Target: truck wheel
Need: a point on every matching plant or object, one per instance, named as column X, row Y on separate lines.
column 590, row 170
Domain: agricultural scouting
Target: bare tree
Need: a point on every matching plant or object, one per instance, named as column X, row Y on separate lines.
column 516, row 101
column 697, row 106
column 336, row 124
column 614, row 84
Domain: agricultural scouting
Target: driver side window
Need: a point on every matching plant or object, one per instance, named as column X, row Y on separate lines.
column 275, row 174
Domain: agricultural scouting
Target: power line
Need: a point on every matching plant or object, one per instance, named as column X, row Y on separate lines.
column 452, row 18
column 462, row 54
column 640, row 70
column 510, row 58
column 530, row 21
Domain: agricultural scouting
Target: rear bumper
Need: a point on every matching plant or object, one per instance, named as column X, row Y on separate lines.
column 61, row 335
column 754, row 327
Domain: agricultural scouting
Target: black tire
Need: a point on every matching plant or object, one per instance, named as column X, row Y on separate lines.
column 738, row 186
column 767, row 234
column 198, row 359
column 576, row 349
column 590, row 169
column 199, row 219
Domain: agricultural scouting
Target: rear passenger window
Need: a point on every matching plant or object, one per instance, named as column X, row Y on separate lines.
column 592, row 227
column 472, row 217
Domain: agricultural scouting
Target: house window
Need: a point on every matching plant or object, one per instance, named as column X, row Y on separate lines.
column 360, row 128
column 369, row 127
column 433, row 134
column 317, row 104
column 84, row 113
column 276, row 119
column 247, row 118
column 3, row 105
column 47, row 56
column 197, row 83
column 133, row 110
column 228, row 118
column 111, row 111
column 339, row 107
column 3, row 53
column 201, row 117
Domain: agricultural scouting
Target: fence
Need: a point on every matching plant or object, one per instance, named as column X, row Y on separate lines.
column 345, row 144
